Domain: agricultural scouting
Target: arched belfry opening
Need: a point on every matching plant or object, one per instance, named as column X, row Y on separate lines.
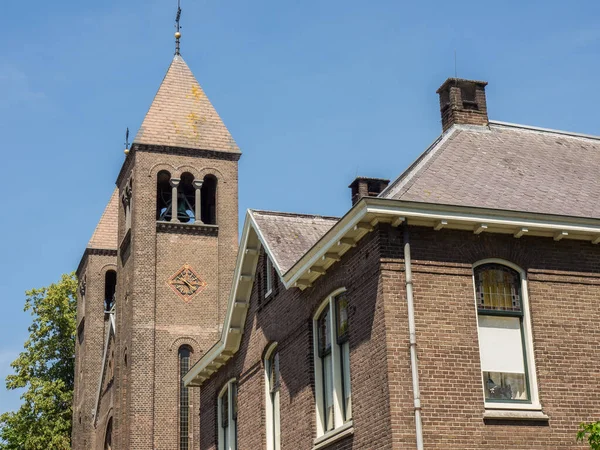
column 186, row 199
column 110, row 289
column 209, row 200
column 163, row 196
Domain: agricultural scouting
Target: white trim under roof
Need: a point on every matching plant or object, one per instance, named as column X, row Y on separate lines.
column 344, row 235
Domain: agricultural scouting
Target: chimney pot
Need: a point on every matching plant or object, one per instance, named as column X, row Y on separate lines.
column 367, row 187
column 463, row 102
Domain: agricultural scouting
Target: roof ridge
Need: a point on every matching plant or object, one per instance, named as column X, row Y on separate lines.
column 499, row 124
column 291, row 214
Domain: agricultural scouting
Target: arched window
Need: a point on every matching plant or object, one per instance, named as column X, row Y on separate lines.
column 163, row 196
column 110, row 288
column 108, row 436
column 186, row 199
column 332, row 363
column 184, row 399
column 209, row 200
column 505, row 343
column 227, row 417
column 272, row 385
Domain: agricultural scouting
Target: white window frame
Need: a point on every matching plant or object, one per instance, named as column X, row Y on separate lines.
column 534, row 404
column 272, row 403
column 268, row 277
column 340, row 425
column 231, row 429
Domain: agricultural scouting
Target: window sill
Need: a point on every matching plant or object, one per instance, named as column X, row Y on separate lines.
column 514, row 414
column 334, row 435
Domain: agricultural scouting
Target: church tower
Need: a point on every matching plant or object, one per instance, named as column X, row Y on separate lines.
column 156, row 275
column 177, row 243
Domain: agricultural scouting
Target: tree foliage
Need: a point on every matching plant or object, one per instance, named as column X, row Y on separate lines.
column 591, row 432
column 45, row 370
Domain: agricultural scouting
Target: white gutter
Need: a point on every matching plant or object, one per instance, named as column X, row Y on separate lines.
column 413, row 338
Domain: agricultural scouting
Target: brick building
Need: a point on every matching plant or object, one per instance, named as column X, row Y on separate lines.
column 454, row 308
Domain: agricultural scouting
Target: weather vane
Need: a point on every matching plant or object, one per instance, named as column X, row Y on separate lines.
column 177, row 27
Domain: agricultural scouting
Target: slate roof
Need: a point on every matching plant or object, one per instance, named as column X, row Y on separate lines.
column 105, row 235
column 509, row 167
column 182, row 116
column 289, row 236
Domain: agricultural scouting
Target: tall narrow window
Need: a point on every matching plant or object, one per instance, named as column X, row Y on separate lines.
column 184, row 400
column 227, row 417
column 186, row 199
column 108, row 436
column 332, row 364
column 163, row 196
column 110, row 288
column 272, row 384
column 505, row 344
column 268, row 276
column 209, row 200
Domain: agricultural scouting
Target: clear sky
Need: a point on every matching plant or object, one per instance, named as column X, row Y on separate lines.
column 314, row 93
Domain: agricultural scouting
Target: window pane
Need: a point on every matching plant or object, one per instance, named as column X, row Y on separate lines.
column 498, row 288
column 274, row 373
column 225, row 410
column 184, row 399
column 346, row 381
column 341, row 308
column 324, row 325
column 234, row 412
column 328, row 392
column 502, row 357
column 505, row 386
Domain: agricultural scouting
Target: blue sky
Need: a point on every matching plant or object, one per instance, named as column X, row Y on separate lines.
column 314, row 92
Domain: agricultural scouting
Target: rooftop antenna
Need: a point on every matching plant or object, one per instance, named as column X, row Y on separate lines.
column 177, row 27
column 127, row 141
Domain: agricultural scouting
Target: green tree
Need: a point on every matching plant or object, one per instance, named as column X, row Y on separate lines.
column 591, row 432
column 45, row 370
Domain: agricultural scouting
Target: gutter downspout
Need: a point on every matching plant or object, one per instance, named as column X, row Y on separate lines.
column 413, row 338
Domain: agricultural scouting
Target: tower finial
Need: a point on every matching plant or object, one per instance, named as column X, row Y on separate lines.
column 177, row 27
column 127, row 141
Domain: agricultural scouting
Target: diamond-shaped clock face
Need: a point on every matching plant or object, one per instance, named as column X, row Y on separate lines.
column 186, row 283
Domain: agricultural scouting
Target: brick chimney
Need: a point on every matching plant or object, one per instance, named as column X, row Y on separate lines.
column 367, row 187
column 463, row 102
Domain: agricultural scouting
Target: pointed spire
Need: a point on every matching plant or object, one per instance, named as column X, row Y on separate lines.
column 105, row 234
column 178, row 28
column 182, row 116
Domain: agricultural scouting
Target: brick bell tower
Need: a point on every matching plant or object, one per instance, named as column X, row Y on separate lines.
column 177, row 244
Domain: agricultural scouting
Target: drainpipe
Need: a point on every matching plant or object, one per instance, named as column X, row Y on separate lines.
column 413, row 338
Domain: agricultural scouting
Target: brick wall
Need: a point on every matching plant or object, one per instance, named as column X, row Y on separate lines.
column 153, row 321
column 88, row 354
column 287, row 319
column 563, row 283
